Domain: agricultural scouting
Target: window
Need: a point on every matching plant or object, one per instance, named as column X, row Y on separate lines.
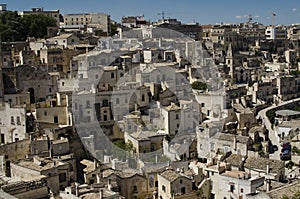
column 143, row 98
column 135, row 189
column 2, row 138
column 105, row 103
column 12, row 121
column 177, row 116
column 112, row 75
column 18, row 120
column 88, row 104
column 183, row 190
column 105, row 118
column 242, row 190
column 62, row 177
column 50, row 90
column 88, row 118
column 231, row 188
column 163, row 188
column 55, row 119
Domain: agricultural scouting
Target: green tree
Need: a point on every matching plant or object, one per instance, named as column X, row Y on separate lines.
column 16, row 28
column 36, row 25
column 199, row 85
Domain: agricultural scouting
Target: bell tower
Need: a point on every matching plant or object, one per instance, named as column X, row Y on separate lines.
column 230, row 61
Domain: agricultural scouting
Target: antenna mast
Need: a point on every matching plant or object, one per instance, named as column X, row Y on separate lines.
column 162, row 15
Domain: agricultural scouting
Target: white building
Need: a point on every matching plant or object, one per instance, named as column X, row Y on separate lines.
column 234, row 184
column 277, row 33
column 80, row 20
column 12, row 123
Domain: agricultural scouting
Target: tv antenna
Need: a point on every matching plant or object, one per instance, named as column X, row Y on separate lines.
column 162, row 14
column 249, row 18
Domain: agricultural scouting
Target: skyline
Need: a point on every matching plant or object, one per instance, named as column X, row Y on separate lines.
column 218, row 11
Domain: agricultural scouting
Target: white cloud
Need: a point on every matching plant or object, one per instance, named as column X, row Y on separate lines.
column 256, row 16
column 294, row 9
column 238, row 17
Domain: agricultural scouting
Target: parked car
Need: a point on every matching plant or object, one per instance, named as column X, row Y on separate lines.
column 275, row 148
column 286, row 145
column 285, row 155
column 286, row 152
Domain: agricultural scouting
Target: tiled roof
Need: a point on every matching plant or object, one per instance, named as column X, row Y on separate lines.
column 170, row 175
column 256, row 163
column 145, row 135
column 230, row 138
column 234, row 159
column 289, row 190
column 261, row 164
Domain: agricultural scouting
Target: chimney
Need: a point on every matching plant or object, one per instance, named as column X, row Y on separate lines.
column 268, row 185
column 109, row 185
column 76, row 189
column 98, row 178
column 159, row 42
column 101, row 194
column 234, row 143
column 182, row 170
column 50, row 149
column 95, row 164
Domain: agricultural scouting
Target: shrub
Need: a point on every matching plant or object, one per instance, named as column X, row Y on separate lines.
column 199, row 85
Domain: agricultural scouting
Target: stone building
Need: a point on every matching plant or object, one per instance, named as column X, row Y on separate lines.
column 58, row 60
column 257, row 166
column 57, row 173
column 36, row 80
column 64, row 41
column 171, row 117
column 175, row 184
column 30, row 188
column 145, row 141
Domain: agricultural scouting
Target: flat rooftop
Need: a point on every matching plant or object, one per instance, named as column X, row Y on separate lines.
column 287, row 113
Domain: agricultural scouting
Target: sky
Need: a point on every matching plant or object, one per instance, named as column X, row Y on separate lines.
column 187, row 11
